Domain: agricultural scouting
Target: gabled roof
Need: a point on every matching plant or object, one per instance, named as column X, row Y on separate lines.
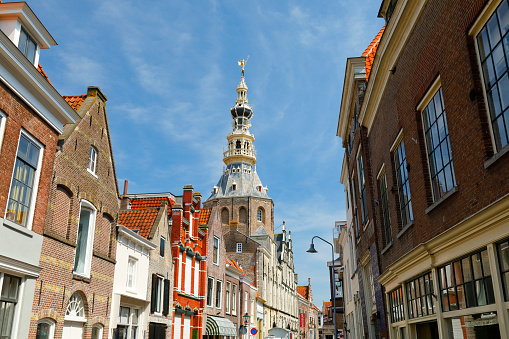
column 204, row 216
column 234, row 264
column 316, row 308
column 39, row 68
column 327, row 304
column 138, row 219
column 74, row 101
column 303, row 291
column 370, row 52
column 139, row 203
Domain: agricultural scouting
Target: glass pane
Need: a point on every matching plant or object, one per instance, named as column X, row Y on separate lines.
column 43, row 331
column 33, row 154
column 489, row 72
column 484, row 46
column 22, row 41
column 485, row 263
column 467, row 269
column 506, row 285
column 23, row 147
column 499, row 60
column 493, row 31
column 503, row 87
column 135, row 317
column 503, row 17
column 476, row 264
column 470, row 295
column 6, row 318
column 123, row 316
column 82, row 241
column 503, row 253
column 490, row 296
column 31, row 51
column 453, row 305
column 461, row 296
column 481, row 293
column 494, row 102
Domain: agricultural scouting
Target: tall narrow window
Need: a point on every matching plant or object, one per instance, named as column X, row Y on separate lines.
column 219, row 290
column 438, row 146
column 84, row 239
column 405, row 202
column 27, row 45
column 259, row 215
column 23, row 180
column 225, row 218
column 234, row 299
column 92, row 159
column 382, row 183
column 162, row 243
column 239, row 247
column 210, row 291
column 493, row 53
column 215, row 254
column 9, row 290
column 362, row 189
column 131, row 272
column 355, row 211
column 228, row 286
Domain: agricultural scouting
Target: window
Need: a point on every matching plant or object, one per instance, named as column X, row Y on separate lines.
column 188, row 273
column 97, row 332
column 362, row 189
column 75, row 310
column 27, row 45
column 492, row 43
column 92, row 160
column 210, row 291
column 396, row 305
column 234, row 299
column 225, row 218
column 259, row 215
column 382, row 183
column 84, row 240
column 419, row 296
column 9, row 289
column 405, row 204
column 503, row 258
column 45, row 329
column 438, row 146
column 228, row 286
column 160, row 295
column 215, row 254
column 162, row 243
column 219, row 286
column 239, row 247
column 24, row 180
column 131, row 273
column 355, row 211
column 127, row 324
column 466, row 282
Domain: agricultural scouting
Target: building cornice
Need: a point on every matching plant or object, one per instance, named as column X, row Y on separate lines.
column 19, row 267
column 132, row 236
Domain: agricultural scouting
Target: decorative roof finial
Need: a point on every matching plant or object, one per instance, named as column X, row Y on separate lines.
column 242, row 63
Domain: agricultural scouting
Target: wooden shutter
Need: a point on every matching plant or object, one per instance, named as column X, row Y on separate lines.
column 151, row 331
column 166, row 297
column 153, row 299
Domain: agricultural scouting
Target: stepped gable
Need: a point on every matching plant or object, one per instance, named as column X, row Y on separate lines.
column 370, row 52
column 139, row 219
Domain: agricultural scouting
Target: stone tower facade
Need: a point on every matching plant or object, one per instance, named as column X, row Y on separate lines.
column 239, row 196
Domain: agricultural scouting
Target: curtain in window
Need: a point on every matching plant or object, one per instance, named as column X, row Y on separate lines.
column 81, row 248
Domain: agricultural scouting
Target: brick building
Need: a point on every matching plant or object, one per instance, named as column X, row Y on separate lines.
column 149, row 216
column 431, row 146
column 32, row 115
column 308, row 313
column 246, row 214
column 73, row 291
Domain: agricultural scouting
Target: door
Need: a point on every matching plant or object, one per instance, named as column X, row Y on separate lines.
column 72, row 330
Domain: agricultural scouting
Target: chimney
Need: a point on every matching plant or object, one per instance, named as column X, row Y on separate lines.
column 125, row 187
column 234, row 225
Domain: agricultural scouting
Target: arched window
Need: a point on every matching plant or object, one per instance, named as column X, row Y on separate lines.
column 238, row 144
column 97, row 331
column 45, row 329
column 260, row 215
column 243, row 215
column 85, row 239
column 75, row 307
column 225, row 218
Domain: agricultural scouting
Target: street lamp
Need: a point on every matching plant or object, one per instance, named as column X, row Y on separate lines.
column 312, row 250
column 246, row 318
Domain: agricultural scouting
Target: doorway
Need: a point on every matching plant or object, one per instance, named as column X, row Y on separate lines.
column 427, row 330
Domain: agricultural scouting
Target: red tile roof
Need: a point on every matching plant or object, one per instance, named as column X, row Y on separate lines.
column 75, row 101
column 204, row 216
column 138, row 219
column 234, row 264
column 152, row 203
column 39, row 68
column 303, row 291
column 316, row 308
column 326, row 304
column 370, row 52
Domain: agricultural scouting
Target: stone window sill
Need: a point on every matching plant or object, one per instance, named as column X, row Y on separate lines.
column 496, row 156
column 439, row 201
column 92, row 173
column 386, row 248
column 404, row 229
column 76, row 276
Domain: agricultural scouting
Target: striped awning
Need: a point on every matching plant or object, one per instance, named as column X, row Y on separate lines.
column 220, row 326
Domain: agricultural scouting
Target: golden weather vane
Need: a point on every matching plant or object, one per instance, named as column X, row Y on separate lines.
column 242, row 63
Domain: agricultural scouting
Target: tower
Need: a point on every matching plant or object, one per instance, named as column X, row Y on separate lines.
column 239, row 194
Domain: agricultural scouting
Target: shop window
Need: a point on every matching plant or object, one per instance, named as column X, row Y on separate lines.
column 127, row 323
column 466, row 282
column 503, row 259
column 396, row 305
column 420, row 296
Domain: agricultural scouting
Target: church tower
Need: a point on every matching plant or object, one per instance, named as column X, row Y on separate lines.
column 239, row 195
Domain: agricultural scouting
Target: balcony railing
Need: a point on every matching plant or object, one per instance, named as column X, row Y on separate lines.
column 240, row 151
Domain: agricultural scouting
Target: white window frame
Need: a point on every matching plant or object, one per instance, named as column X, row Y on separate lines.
column 99, row 326
column 215, row 256
column 21, row 288
column 188, row 274
column 474, row 31
column 259, row 215
column 219, row 289
column 228, row 297
column 129, row 323
column 92, row 160
column 212, row 294
column 35, row 187
column 29, row 38
column 239, row 247
column 3, row 122
column 134, row 274
column 160, row 297
column 162, row 248
column 234, row 299
column 90, row 238
column 196, row 277
column 51, row 324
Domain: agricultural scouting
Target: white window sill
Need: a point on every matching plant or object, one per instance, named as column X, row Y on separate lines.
column 17, row 227
column 159, row 314
column 131, row 290
column 92, row 173
column 81, row 275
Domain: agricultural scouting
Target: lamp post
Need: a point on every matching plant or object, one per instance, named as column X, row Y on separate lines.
column 312, row 250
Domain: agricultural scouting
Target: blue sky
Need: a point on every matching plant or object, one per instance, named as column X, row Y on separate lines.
column 169, row 70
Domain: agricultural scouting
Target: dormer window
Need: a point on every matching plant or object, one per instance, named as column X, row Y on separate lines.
column 27, row 45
